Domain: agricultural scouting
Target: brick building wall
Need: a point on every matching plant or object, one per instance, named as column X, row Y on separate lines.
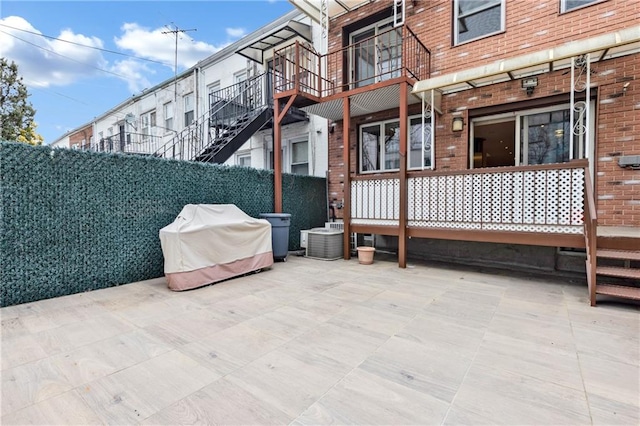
column 81, row 138
column 530, row 27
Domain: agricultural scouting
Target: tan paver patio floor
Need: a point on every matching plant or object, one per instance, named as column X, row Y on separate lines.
column 313, row 342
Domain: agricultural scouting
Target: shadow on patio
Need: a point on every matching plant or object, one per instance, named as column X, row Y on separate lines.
column 313, row 342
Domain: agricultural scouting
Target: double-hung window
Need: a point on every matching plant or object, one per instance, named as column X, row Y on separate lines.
column 188, row 109
column 300, row 157
column 474, row 19
column 148, row 122
column 167, row 112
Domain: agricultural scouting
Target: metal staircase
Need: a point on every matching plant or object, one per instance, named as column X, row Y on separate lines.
column 236, row 113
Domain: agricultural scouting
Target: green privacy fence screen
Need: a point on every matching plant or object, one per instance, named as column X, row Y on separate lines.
column 74, row 221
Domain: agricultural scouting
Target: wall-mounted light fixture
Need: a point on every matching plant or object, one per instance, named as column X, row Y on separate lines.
column 529, row 84
column 457, row 124
column 625, row 87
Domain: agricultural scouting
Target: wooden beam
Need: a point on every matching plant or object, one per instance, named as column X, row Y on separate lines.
column 404, row 132
column 277, row 167
column 285, row 109
column 346, row 157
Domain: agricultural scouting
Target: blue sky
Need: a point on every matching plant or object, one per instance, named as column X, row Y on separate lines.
column 70, row 84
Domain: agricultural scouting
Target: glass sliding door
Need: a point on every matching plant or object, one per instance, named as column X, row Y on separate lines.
column 376, row 54
column 531, row 137
column 545, row 137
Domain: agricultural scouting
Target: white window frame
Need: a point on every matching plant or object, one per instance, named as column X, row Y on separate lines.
column 243, row 156
column 381, row 125
column 456, row 20
column 563, row 5
column 188, row 107
column 291, row 162
column 381, row 152
column 167, row 111
column 147, row 123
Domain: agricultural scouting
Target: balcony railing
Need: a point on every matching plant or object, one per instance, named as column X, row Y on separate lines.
column 542, row 199
column 130, row 143
column 393, row 53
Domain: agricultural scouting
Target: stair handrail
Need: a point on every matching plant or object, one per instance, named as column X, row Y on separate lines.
column 251, row 103
column 243, row 88
column 590, row 234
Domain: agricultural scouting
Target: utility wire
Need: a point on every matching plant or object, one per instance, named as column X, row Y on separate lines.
column 66, row 57
column 84, row 45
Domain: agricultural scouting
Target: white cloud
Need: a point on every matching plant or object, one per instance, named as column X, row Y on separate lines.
column 153, row 44
column 43, row 62
column 134, row 73
column 236, row 32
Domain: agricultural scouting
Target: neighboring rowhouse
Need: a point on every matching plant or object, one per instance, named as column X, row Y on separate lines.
column 220, row 110
column 495, row 132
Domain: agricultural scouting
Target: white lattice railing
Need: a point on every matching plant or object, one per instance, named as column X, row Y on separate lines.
column 375, row 201
column 547, row 199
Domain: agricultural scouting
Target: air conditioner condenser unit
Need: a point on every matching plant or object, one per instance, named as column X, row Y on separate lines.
column 326, row 244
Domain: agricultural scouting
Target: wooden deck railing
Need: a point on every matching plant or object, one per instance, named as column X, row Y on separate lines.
column 534, row 199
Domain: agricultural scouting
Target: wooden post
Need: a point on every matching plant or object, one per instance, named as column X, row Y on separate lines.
column 402, row 222
column 346, row 157
column 277, row 167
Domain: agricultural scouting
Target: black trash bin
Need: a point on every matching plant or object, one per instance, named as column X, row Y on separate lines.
column 279, row 233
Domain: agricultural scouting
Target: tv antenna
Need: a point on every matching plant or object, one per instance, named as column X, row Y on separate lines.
column 176, row 32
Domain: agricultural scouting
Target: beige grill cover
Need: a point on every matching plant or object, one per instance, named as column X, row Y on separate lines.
column 205, row 237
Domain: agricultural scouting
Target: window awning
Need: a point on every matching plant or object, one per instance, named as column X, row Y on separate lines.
column 272, row 37
column 312, row 8
column 607, row 46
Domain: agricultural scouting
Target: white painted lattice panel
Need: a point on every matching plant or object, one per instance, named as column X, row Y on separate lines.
column 564, row 198
column 379, row 222
column 577, row 197
column 553, row 195
column 540, row 197
column 378, row 198
column 356, row 197
column 396, row 198
column 477, row 200
column 450, row 199
column 518, row 191
column 496, row 197
column 506, row 209
column 442, row 195
column 555, row 229
column 459, row 198
column 433, row 198
column 412, row 196
column 486, row 197
column 467, row 198
column 528, row 197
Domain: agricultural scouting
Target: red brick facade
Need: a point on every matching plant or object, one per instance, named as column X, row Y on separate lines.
column 81, row 138
column 530, row 27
